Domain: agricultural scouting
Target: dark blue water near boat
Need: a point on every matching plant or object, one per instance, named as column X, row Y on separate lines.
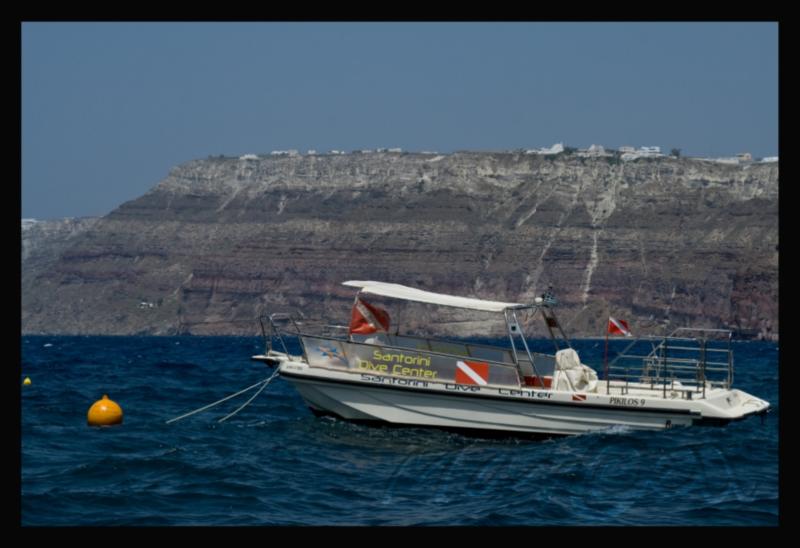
column 277, row 464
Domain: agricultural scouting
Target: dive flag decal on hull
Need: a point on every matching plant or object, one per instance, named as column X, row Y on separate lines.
column 469, row 372
column 579, row 397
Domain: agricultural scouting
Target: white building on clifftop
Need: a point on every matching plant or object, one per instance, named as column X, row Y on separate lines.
column 629, row 154
column 594, row 151
column 557, row 148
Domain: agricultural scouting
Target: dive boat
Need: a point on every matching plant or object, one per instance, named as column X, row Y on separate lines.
column 373, row 375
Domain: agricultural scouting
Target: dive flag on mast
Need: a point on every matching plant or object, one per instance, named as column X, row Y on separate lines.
column 618, row 327
column 367, row 318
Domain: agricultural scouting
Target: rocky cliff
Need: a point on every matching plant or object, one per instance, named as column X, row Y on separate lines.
column 42, row 244
column 659, row 242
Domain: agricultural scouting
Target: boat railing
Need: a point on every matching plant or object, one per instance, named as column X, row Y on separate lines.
column 456, row 348
column 482, row 352
column 545, row 363
column 380, row 356
column 677, row 363
column 284, row 327
column 275, row 330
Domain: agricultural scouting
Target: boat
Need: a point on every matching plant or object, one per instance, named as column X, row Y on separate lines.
column 370, row 374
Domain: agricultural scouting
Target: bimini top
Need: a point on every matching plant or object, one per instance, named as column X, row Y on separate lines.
column 398, row 291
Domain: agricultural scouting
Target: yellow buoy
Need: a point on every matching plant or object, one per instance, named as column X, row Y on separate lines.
column 104, row 412
column 27, row 381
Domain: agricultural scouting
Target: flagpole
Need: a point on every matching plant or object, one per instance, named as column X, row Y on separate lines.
column 605, row 363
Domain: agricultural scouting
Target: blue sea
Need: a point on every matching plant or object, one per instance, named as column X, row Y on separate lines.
column 276, row 464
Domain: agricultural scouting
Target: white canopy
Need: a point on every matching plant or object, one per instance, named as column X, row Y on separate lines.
column 398, row 291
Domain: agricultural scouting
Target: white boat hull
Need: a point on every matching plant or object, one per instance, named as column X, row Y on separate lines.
column 364, row 397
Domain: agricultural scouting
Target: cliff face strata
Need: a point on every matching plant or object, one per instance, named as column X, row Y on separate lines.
column 662, row 243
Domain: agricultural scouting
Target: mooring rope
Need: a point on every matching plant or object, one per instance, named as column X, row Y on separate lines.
column 245, row 404
column 262, row 383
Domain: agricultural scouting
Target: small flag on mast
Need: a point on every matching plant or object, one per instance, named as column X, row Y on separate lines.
column 367, row 318
column 618, row 327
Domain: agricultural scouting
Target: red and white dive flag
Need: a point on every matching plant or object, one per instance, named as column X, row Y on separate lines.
column 469, row 372
column 618, row 327
column 367, row 318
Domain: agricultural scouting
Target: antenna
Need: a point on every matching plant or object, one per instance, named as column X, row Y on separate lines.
column 548, row 298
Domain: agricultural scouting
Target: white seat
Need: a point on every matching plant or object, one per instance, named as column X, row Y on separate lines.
column 571, row 375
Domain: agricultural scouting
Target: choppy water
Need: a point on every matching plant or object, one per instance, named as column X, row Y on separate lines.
column 276, row 464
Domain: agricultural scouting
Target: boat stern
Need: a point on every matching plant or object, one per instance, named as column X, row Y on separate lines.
column 723, row 406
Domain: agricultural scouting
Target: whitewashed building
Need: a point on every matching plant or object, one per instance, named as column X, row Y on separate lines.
column 642, row 152
column 557, row 148
column 594, row 151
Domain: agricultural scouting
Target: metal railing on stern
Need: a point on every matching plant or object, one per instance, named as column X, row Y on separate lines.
column 679, row 364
